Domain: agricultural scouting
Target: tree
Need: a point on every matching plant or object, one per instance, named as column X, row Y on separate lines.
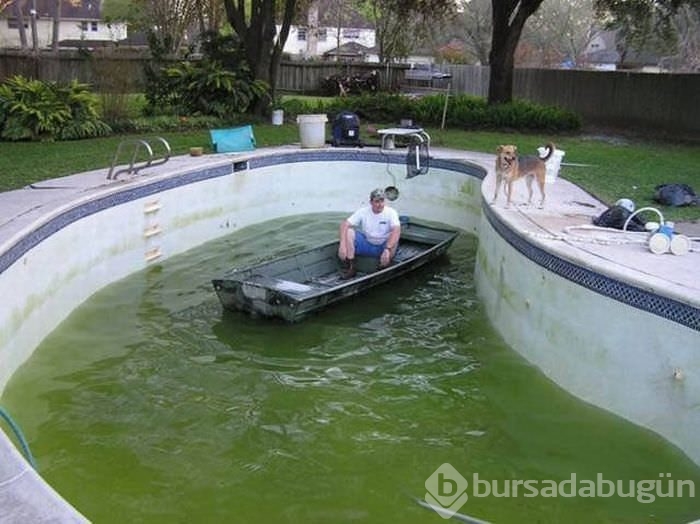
column 637, row 16
column 170, row 21
column 400, row 24
column 165, row 22
column 561, row 29
column 509, row 17
column 475, row 20
column 20, row 23
column 641, row 23
column 255, row 23
column 687, row 27
column 56, row 25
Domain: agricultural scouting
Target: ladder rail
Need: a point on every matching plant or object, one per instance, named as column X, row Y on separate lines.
column 134, row 166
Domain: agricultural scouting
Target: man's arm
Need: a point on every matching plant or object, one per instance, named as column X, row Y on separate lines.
column 393, row 240
column 391, row 244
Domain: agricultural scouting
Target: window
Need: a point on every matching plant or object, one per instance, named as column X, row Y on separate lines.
column 301, row 33
column 83, row 26
column 351, row 33
column 93, row 26
column 322, row 34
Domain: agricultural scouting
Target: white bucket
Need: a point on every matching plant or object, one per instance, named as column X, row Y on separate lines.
column 552, row 165
column 277, row 117
column 312, row 130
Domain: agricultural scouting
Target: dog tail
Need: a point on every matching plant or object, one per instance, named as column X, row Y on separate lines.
column 550, row 151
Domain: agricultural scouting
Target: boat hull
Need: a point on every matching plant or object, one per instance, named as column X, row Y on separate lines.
column 294, row 286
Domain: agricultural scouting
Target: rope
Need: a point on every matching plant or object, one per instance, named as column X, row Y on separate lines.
column 630, row 237
column 568, row 236
column 20, row 436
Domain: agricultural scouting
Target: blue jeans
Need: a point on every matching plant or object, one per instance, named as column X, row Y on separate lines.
column 364, row 248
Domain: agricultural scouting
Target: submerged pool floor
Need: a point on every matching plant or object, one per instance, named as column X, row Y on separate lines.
column 151, row 404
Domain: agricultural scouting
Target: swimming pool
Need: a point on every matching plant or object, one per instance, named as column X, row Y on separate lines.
column 178, row 410
column 100, row 234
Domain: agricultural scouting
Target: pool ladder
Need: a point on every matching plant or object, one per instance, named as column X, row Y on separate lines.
column 134, row 166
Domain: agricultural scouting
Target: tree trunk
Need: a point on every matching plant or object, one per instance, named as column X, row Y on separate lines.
column 35, row 36
column 56, row 26
column 509, row 17
column 20, row 24
column 257, row 32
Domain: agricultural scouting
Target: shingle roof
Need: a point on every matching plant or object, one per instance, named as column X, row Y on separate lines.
column 76, row 9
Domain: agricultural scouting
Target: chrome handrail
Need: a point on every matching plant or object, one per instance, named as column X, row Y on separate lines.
column 134, row 167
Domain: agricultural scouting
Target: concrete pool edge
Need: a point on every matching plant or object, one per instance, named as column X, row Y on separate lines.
column 497, row 239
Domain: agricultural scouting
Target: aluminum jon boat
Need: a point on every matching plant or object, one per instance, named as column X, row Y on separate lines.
column 293, row 286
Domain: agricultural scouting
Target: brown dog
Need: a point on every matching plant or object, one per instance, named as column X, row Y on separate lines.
column 511, row 167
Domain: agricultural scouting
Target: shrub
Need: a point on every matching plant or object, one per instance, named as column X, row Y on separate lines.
column 295, row 106
column 463, row 111
column 205, row 88
column 36, row 110
column 219, row 85
column 167, row 123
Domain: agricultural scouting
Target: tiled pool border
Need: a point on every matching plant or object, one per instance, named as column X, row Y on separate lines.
column 665, row 307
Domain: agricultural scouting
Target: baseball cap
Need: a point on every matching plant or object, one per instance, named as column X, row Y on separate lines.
column 377, row 194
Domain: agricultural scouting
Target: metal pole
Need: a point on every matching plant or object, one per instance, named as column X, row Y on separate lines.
column 35, row 39
column 444, row 109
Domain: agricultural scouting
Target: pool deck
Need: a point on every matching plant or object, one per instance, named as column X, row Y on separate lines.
column 564, row 227
column 555, row 227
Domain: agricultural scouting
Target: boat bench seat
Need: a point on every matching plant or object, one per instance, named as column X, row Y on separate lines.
column 288, row 286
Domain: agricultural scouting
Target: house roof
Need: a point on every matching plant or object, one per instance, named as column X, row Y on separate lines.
column 70, row 9
column 349, row 49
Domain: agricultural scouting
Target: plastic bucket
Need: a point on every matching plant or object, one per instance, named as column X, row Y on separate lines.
column 552, row 165
column 312, row 130
column 277, row 117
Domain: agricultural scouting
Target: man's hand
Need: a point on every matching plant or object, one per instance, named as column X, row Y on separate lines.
column 385, row 258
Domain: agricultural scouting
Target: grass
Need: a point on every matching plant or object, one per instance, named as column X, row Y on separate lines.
column 612, row 168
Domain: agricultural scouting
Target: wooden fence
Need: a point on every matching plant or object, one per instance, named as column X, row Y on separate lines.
column 666, row 103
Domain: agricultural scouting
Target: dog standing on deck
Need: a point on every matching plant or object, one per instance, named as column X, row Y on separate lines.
column 511, row 167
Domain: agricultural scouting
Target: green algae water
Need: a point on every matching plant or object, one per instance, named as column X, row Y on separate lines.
column 151, row 404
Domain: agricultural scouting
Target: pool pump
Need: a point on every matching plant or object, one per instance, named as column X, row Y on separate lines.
column 346, row 130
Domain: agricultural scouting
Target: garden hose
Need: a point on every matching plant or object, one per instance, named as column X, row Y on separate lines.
column 20, row 436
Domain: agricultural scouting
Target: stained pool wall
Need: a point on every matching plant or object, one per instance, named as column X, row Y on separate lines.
column 612, row 344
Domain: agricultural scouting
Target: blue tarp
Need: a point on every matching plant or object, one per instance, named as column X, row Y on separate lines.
column 233, row 140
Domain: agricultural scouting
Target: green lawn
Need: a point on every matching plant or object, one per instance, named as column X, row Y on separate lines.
column 612, row 167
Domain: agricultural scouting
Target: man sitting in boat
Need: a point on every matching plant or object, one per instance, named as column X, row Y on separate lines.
column 370, row 231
